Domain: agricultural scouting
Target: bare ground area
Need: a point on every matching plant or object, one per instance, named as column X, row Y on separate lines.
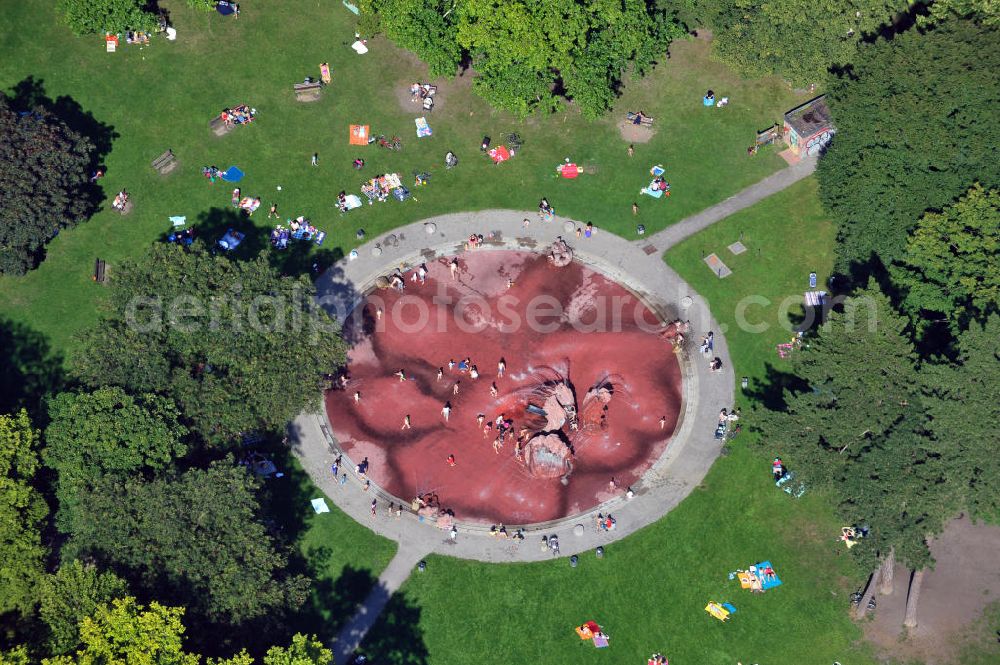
column 965, row 579
column 635, row 133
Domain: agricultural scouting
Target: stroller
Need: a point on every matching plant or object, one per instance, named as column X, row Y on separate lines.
column 450, row 160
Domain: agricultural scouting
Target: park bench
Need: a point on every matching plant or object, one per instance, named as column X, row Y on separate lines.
column 219, row 126
column 768, row 136
column 165, row 163
column 646, row 120
column 307, row 92
column 100, row 271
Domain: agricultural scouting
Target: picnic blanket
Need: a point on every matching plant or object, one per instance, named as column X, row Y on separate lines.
column 499, row 154
column 423, row 129
column 232, row 174
column 178, row 220
column 359, row 47
column 652, row 190
column 718, row 610
column 224, row 8
column 249, row 204
column 319, row 505
column 359, row 135
column 231, row 240
column 352, row 201
column 765, row 573
column 350, row 7
column 657, row 171
column 569, row 170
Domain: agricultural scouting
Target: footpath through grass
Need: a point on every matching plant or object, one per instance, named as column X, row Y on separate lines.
column 650, row 589
column 164, row 95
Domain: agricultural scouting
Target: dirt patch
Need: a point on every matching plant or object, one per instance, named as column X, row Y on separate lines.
column 635, row 133
column 964, row 581
column 410, row 105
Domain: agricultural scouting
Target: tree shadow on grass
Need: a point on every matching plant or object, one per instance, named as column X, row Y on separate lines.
column 29, row 95
column 769, row 392
column 396, row 639
column 30, row 370
column 215, row 222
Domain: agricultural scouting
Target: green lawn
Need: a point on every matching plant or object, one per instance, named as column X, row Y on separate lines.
column 342, row 557
column 164, row 95
column 650, row 590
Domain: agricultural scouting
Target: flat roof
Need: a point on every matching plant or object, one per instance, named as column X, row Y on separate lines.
column 811, row 117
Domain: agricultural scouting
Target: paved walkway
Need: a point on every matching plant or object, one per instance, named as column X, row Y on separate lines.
column 398, row 570
column 772, row 184
column 639, row 266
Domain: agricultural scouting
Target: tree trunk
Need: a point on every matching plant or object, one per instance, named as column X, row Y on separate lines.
column 862, row 608
column 888, row 564
column 912, row 598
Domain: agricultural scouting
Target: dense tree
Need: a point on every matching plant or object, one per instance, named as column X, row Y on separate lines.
column 100, row 16
column 915, row 131
column 986, row 11
column 426, row 27
column 304, row 650
column 107, row 431
column 70, row 595
column 951, row 266
column 796, row 39
column 22, row 515
column 523, row 52
column 236, row 346
column 43, row 182
column 195, row 540
column 963, row 406
column 859, row 430
column 124, row 632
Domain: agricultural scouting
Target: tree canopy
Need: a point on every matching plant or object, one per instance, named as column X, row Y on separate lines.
column 796, row 39
column 43, row 182
column 524, row 52
column 100, row 16
column 22, row 514
column 235, row 345
column 951, row 266
column 962, row 397
column 859, row 428
column 125, row 632
column 194, row 540
column 107, row 431
column 914, row 132
column 71, row 594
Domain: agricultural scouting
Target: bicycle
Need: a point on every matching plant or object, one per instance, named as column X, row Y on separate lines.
column 390, row 144
column 513, row 141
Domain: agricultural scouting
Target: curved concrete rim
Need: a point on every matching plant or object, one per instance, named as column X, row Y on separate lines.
column 688, row 456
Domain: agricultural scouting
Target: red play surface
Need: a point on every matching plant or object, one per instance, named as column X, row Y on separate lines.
column 508, row 288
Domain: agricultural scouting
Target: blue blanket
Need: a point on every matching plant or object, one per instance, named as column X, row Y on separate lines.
column 232, row 174
column 224, row 8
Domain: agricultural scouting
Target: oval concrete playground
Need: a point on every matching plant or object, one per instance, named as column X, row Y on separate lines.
column 683, row 465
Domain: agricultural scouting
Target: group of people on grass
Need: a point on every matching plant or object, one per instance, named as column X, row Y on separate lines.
column 238, row 115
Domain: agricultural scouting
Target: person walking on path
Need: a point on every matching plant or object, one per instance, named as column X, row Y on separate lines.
column 357, row 396
column 501, row 368
column 363, row 467
column 374, row 507
column 453, row 267
column 446, row 410
column 494, row 391
column 401, row 374
column 406, row 422
column 454, row 389
column 453, row 534
column 663, row 422
column 440, row 373
column 451, row 460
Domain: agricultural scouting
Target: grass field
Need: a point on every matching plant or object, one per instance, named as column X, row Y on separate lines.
column 650, row 589
column 164, row 95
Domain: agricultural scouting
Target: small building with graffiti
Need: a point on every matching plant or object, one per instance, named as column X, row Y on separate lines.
column 808, row 128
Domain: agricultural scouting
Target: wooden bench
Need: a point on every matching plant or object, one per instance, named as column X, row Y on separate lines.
column 768, row 136
column 165, row 163
column 646, row 120
column 219, row 126
column 100, row 271
column 307, row 92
